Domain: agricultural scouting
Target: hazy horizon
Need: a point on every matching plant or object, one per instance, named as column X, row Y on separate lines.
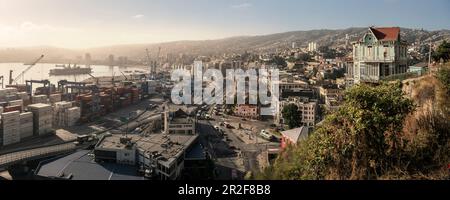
column 85, row 24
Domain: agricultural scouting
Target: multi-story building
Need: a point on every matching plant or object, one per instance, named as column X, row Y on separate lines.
column 179, row 122
column 247, row 111
column 312, row 46
column 307, row 107
column 160, row 155
column 379, row 54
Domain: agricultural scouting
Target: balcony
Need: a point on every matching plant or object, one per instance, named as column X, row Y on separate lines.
column 376, row 59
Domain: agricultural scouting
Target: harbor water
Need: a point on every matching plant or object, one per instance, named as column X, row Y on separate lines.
column 41, row 71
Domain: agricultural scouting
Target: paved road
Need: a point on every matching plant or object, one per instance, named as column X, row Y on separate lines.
column 233, row 152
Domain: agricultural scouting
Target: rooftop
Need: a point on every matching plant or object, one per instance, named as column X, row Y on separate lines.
column 297, row 134
column 168, row 145
column 386, row 33
column 81, row 166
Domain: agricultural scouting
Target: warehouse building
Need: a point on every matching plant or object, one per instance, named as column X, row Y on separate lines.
column 116, row 157
column 159, row 156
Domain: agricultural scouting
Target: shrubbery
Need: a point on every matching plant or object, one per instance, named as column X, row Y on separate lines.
column 370, row 138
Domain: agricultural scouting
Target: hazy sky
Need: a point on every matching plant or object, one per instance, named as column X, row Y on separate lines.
column 90, row 23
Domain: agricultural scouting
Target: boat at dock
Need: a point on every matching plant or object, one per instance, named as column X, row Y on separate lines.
column 69, row 70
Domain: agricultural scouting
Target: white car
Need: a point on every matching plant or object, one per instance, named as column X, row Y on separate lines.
column 266, row 135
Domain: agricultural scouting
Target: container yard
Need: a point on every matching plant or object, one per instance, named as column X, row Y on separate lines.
column 29, row 114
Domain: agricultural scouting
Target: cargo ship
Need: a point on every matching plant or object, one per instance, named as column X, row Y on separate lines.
column 69, row 70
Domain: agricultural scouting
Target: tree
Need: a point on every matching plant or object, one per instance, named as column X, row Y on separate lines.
column 442, row 52
column 279, row 61
column 443, row 76
column 360, row 141
column 292, row 116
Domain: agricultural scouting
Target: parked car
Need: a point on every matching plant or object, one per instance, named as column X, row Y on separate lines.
column 266, row 135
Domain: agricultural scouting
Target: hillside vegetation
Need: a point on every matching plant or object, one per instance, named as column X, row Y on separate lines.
column 379, row 133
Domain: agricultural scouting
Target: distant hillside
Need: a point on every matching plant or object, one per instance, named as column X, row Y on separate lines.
column 209, row 47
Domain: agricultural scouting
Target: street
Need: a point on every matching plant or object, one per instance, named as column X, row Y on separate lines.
column 229, row 150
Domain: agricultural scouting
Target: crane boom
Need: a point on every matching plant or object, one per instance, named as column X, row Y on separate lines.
column 158, row 61
column 31, row 65
column 148, row 56
column 95, row 78
column 124, row 75
column 150, row 63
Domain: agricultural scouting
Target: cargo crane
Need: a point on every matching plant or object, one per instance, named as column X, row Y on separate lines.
column 124, row 76
column 157, row 63
column 21, row 75
column 2, row 78
column 113, row 80
column 150, row 63
column 153, row 64
column 46, row 83
column 95, row 78
column 63, row 83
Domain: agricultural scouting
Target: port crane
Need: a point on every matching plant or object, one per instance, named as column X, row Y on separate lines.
column 21, row 75
column 157, row 62
column 153, row 64
column 63, row 83
column 97, row 81
column 124, row 75
column 46, row 83
column 2, row 78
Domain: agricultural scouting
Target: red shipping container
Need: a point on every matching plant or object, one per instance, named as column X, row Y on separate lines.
column 86, row 98
column 12, row 109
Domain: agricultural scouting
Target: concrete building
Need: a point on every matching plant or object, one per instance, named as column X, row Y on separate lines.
column 179, row 122
column 332, row 96
column 135, row 157
column 247, row 111
column 378, row 55
column 306, row 106
column 292, row 85
column 312, row 47
column 419, row 68
column 159, row 156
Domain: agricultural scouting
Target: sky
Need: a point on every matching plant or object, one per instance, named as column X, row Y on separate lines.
column 95, row 23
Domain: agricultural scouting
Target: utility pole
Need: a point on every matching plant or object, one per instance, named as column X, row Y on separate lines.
column 429, row 55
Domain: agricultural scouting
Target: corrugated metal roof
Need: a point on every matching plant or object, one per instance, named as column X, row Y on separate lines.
column 82, row 167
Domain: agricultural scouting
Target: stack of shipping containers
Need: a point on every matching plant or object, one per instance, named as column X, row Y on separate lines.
column 39, row 99
column 64, row 115
column 26, row 125
column 42, row 118
column 10, row 127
